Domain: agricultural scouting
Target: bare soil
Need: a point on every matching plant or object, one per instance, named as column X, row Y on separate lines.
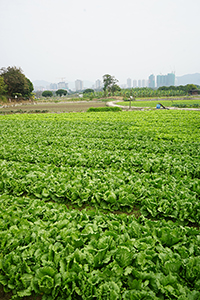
column 7, row 296
column 59, row 107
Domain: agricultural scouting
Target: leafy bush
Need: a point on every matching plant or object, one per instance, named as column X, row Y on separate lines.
column 101, row 109
column 3, row 99
column 185, row 105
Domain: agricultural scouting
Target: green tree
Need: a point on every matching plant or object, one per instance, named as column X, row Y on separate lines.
column 87, row 91
column 30, row 86
column 47, row 94
column 115, row 88
column 2, row 86
column 190, row 87
column 61, row 92
column 16, row 81
column 110, row 84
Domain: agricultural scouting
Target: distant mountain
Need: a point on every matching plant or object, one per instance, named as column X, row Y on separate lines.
column 188, row 79
column 41, row 83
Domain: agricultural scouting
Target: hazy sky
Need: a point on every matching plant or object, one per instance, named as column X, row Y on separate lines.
column 85, row 39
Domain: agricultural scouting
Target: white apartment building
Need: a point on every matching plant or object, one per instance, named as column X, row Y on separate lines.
column 98, row 84
column 78, row 85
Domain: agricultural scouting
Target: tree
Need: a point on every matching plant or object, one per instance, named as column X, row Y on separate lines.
column 190, row 87
column 47, row 94
column 115, row 88
column 61, row 92
column 30, row 86
column 16, row 81
column 87, row 91
column 2, row 86
column 110, row 83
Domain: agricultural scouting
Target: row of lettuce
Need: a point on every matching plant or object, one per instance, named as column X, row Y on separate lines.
column 155, row 195
column 49, row 250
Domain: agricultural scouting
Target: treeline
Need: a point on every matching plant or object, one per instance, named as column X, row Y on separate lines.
column 164, row 91
column 145, row 92
column 186, row 88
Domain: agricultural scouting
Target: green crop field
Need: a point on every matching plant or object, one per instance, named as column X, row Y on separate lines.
column 152, row 103
column 100, row 205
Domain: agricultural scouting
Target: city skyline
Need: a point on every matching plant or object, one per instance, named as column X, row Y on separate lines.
column 153, row 81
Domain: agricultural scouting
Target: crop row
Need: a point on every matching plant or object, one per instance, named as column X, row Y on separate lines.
column 157, row 195
column 166, row 102
column 47, row 249
column 127, row 161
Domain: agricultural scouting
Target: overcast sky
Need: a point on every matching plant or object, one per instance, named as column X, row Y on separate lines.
column 85, row 39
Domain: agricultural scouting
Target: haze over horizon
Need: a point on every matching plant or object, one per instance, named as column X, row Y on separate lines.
column 85, row 39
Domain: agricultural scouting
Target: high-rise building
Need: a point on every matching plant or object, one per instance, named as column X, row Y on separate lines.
column 144, row 83
column 78, row 85
column 53, row 86
column 134, row 83
column 170, row 79
column 161, row 80
column 129, row 83
column 139, row 83
column 152, row 81
column 62, row 85
column 165, row 80
column 98, row 84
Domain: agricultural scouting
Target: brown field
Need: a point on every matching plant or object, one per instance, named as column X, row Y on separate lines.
column 80, row 106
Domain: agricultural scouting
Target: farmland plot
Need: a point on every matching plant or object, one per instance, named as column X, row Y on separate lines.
column 191, row 103
column 133, row 162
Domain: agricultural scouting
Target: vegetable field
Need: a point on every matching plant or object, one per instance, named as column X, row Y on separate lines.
column 100, row 205
column 190, row 103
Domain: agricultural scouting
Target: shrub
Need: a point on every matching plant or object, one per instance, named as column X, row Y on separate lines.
column 100, row 109
column 3, row 99
column 184, row 105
